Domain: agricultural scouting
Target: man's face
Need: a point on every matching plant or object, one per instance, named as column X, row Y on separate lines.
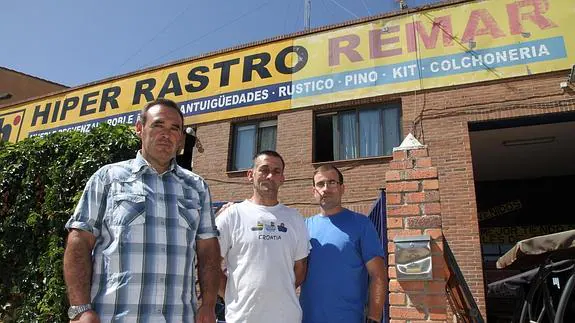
column 327, row 189
column 267, row 175
column 162, row 135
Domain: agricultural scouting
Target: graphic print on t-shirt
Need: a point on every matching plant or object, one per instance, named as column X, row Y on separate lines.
column 270, row 231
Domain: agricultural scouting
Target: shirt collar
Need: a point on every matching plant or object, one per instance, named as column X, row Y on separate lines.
column 140, row 162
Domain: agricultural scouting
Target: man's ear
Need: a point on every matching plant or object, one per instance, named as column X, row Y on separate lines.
column 250, row 175
column 182, row 142
column 139, row 127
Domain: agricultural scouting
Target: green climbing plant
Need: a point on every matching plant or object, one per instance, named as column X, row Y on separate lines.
column 41, row 180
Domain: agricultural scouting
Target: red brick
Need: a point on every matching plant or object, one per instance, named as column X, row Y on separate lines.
column 400, row 155
column 397, row 299
column 420, row 152
column 425, row 173
column 428, row 300
column 412, row 186
column 394, row 223
column 392, row 175
column 431, row 196
column 401, row 164
column 394, row 286
column 438, row 315
column 392, row 272
column 390, row 246
column 391, row 259
column 397, row 312
column 430, row 184
column 431, row 208
column 423, row 162
column 423, row 222
column 403, row 210
column 415, row 197
column 393, row 198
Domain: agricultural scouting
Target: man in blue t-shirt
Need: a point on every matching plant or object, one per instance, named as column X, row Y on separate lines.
column 346, row 251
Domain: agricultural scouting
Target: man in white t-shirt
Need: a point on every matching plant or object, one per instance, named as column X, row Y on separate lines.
column 265, row 246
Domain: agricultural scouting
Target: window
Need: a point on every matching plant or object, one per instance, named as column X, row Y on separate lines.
column 249, row 138
column 364, row 132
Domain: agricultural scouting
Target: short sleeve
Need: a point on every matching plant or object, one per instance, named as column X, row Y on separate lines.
column 207, row 226
column 223, row 225
column 303, row 245
column 370, row 243
column 92, row 206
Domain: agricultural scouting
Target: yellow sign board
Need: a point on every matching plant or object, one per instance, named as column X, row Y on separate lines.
column 445, row 46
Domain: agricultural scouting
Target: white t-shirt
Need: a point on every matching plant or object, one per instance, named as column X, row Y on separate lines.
column 260, row 245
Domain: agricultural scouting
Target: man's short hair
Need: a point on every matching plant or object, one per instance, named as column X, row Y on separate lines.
column 268, row 153
column 163, row 102
column 327, row 168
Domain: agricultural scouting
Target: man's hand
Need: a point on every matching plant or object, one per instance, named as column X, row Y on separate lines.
column 224, row 207
column 206, row 314
column 87, row 317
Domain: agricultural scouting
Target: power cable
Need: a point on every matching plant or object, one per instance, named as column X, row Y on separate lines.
column 249, row 12
column 156, row 35
column 344, row 8
column 366, row 8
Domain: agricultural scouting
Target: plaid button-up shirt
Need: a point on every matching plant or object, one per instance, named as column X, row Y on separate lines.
column 146, row 225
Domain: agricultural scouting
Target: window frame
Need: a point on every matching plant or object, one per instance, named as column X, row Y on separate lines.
column 259, row 124
column 338, row 125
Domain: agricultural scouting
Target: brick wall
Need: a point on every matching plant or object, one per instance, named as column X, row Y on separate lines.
column 413, row 209
column 439, row 118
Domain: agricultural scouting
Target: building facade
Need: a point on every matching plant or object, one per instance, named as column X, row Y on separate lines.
column 481, row 88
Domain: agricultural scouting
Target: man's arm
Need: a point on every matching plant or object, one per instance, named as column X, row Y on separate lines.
column 300, row 269
column 208, row 251
column 78, row 268
column 223, row 279
column 377, row 287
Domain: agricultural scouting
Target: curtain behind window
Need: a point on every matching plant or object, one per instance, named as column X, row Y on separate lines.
column 268, row 138
column 244, row 146
column 370, row 140
column 348, row 135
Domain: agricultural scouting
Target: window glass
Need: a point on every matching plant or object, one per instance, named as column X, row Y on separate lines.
column 244, row 146
column 250, row 138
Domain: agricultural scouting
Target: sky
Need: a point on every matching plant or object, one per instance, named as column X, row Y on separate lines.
column 74, row 42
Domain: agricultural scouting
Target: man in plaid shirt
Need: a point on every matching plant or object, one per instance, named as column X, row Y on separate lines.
column 137, row 230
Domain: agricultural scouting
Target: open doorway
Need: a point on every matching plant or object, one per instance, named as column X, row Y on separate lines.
column 524, row 172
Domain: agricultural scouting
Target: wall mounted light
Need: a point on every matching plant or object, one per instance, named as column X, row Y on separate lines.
column 5, row 96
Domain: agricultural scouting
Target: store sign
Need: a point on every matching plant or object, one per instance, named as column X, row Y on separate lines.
column 511, row 235
column 459, row 44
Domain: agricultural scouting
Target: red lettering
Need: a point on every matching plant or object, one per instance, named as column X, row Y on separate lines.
column 335, row 49
column 429, row 39
column 376, row 43
column 539, row 7
column 472, row 30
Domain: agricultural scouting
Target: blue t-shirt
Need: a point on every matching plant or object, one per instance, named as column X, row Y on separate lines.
column 336, row 286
